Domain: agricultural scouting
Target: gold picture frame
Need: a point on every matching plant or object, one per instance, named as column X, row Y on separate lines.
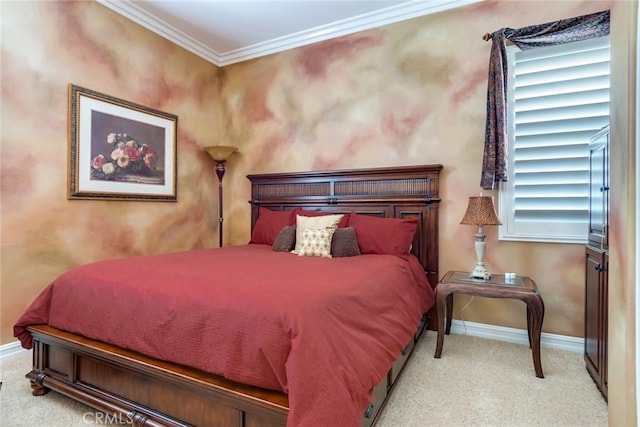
column 119, row 150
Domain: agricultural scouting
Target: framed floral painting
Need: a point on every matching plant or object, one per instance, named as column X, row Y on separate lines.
column 119, row 150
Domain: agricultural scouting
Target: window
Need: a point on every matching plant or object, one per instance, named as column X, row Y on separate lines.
column 557, row 98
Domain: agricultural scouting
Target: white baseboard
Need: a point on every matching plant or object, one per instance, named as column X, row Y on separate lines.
column 11, row 350
column 516, row 336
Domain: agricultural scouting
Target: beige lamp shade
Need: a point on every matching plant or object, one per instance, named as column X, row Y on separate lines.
column 480, row 211
column 220, row 153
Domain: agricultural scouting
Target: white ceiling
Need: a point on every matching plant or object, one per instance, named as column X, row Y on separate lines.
column 227, row 31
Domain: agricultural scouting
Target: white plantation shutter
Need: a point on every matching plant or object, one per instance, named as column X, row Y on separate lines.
column 558, row 97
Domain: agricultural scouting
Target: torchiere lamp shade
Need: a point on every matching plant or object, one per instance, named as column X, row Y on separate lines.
column 220, row 153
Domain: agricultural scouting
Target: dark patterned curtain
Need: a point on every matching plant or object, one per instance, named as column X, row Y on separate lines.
column 494, row 162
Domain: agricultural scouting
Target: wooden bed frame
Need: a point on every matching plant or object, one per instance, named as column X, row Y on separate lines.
column 139, row 390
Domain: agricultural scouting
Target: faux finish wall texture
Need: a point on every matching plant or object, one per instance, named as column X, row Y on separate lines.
column 404, row 94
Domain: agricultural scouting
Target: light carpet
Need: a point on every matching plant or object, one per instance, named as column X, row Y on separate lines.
column 477, row 382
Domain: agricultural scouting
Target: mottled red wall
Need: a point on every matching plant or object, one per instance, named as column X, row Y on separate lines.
column 45, row 46
column 403, row 94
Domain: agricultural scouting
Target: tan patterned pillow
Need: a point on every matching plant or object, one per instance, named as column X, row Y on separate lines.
column 316, row 222
column 316, row 242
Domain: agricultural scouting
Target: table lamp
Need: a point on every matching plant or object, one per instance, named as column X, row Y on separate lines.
column 220, row 153
column 480, row 212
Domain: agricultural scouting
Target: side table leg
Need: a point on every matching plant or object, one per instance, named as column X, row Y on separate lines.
column 529, row 320
column 449, row 314
column 441, row 308
column 535, row 307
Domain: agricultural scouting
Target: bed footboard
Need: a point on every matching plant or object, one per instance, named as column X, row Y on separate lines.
column 141, row 391
column 144, row 391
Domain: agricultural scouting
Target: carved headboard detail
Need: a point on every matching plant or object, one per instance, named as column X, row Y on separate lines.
column 392, row 192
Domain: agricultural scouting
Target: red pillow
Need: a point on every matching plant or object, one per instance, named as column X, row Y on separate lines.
column 269, row 224
column 343, row 221
column 388, row 236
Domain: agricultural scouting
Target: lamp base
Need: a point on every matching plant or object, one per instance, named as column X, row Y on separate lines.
column 480, row 273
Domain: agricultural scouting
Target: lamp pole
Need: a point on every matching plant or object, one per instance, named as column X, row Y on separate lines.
column 220, row 153
column 220, row 168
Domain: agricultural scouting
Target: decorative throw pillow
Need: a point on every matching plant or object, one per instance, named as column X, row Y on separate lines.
column 316, row 242
column 269, row 224
column 376, row 235
column 318, row 222
column 344, row 243
column 343, row 221
column 286, row 239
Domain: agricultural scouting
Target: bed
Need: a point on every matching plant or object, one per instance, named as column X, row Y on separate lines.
column 308, row 373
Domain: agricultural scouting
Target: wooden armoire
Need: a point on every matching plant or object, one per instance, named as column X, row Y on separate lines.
column 597, row 261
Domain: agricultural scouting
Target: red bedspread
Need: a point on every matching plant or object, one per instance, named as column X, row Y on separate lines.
column 324, row 331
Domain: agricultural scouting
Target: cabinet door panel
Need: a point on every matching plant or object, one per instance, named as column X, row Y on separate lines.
column 592, row 312
column 595, row 320
column 599, row 189
column 605, row 327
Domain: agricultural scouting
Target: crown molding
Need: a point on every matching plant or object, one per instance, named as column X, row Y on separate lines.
column 390, row 15
column 130, row 10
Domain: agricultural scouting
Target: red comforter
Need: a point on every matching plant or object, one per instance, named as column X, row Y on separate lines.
column 324, row 331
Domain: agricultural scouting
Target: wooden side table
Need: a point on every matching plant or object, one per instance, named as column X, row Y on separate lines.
column 523, row 288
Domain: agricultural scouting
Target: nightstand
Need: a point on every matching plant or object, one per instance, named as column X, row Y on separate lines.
column 522, row 288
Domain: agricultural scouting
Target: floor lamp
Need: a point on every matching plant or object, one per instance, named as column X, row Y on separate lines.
column 220, row 153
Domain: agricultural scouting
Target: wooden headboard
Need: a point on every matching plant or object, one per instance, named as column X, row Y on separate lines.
column 393, row 192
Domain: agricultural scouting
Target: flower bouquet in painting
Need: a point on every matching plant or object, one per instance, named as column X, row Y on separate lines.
column 129, row 161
